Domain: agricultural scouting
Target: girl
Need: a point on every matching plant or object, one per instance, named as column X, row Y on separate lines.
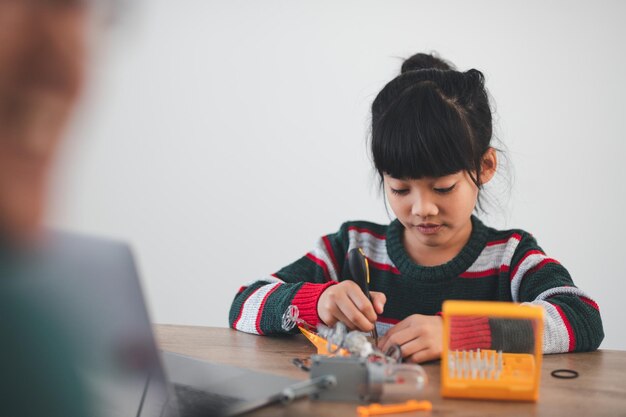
column 431, row 134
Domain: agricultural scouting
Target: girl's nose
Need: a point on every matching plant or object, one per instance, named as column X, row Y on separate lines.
column 424, row 207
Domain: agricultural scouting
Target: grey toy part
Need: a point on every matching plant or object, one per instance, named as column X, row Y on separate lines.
column 357, row 379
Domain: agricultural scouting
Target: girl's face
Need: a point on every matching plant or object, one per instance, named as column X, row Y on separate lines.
column 436, row 212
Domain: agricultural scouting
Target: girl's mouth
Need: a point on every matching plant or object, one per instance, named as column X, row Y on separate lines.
column 428, row 228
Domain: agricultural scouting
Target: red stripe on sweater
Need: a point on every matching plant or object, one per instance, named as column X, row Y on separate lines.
column 306, row 300
column 480, row 274
column 568, row 326
column 260, row 313
column 470, row 332
column 329, row 249
column 485, row 273
column 321, row 264
column 526, row 255
column 590, row 302
column 515, row 236
column 363, row 230
column 241, row 289
column 468, row 321
column 383, row 267
column 476, row 343
column 387, row 320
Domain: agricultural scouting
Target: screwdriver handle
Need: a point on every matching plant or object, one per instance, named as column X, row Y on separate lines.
column 359, row 269
column 360, row 273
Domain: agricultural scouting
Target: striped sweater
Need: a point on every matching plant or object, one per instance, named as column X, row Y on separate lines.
column 493, row 265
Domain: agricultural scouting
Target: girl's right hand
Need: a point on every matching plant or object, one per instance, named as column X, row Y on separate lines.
column 345, row 302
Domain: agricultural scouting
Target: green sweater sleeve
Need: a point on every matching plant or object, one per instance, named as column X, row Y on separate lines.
column 258, row 307
column 572, row 320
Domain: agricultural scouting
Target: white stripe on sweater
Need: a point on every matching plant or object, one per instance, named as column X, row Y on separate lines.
column 527, row 264
column 321, row 253
column 251, row 309
column 555, row 336
column 561, row 290
column 374, row 247
column 493, row 257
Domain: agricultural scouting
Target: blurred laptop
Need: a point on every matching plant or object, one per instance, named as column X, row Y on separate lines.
column 77, row 315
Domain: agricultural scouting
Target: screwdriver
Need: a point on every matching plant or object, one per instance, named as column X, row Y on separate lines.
column 360, row 272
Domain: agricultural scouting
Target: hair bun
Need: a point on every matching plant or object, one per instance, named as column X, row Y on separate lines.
column 422, row 61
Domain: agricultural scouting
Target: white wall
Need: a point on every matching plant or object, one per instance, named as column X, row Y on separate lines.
column 222, row 138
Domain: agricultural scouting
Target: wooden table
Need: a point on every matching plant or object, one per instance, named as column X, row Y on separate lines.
column 600, row 390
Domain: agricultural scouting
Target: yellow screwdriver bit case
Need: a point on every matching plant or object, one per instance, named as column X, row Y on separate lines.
column 491, row 350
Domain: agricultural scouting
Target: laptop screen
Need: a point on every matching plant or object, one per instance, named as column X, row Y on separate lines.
column 76, row 335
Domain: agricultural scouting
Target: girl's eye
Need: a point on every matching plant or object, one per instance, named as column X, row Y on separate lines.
column 400, row 191
column 445, row 190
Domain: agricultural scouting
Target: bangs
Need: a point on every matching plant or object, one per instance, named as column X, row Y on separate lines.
column 421, row 134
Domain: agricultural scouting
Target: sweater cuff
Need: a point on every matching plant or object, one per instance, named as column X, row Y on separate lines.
column 469, row 333
column 306, row 300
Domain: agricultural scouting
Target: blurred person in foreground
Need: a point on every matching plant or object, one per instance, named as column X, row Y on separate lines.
column 43, row 48
column 42, row 67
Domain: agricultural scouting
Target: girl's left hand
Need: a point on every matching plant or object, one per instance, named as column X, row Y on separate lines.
column 420, row 338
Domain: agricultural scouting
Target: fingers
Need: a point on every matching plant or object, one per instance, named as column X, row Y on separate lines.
column 379, row 300
column 420, row 349
column 424, row 355
column 346, row 302
column 362, row 303
column 419, row 338
column 351, row 308
column 413, row 346
column 336, row 316
column 397, row 336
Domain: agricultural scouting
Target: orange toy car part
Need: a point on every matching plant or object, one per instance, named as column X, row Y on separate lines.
column 322, row 344
column 378, row 409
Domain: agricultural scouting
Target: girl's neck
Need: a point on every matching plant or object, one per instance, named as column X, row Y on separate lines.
column 425, row 255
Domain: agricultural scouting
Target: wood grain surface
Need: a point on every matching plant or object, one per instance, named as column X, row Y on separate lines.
column 600, row 390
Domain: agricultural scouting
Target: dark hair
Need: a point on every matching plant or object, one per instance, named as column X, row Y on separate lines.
column 431, row 121
column 425, row 61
